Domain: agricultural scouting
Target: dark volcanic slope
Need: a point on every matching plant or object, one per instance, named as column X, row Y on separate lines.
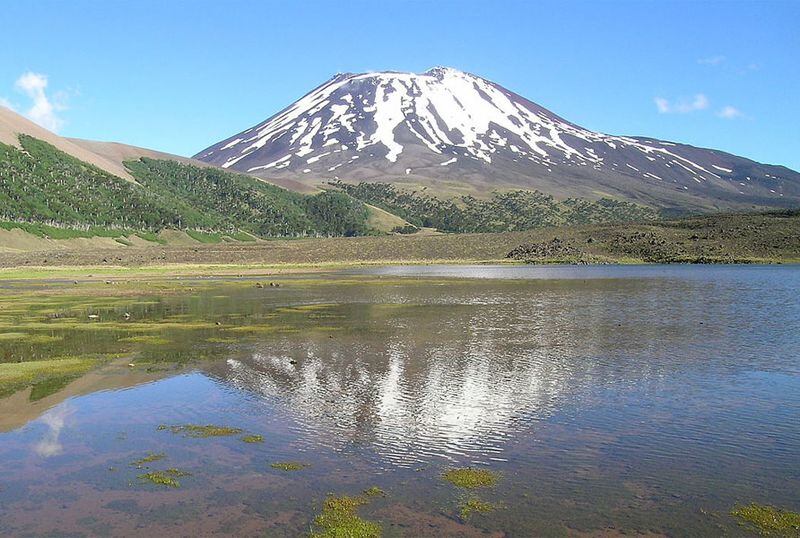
column 456, row 131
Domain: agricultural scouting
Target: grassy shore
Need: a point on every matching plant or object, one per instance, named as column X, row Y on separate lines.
column 730, row 238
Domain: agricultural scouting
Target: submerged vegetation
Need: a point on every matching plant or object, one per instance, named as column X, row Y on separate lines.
column 473, row 505
column 150, row 458
column 197, row 431
column 288, row 465
column 168, row 477
column 768, row 520
column 470, row 478
column 253, row 438
column 53, row 335
column 340, row 519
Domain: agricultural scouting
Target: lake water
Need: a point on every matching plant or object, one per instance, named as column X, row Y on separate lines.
column 608, row 400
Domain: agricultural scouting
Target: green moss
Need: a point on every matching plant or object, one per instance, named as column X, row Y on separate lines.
column 768, row 520
column 339, row 519
column 470, row 478
column 253, row 438
column 288, row 465
column 197, row 431
column 151, row 457
column 168, row 478
column 475, row 506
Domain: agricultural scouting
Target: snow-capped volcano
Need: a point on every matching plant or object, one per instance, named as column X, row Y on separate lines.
column 445, row 125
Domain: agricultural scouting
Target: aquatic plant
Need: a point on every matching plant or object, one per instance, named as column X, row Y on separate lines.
column 197, row 431
column 288, row 466
column 339, row 519
column 475, row 505
column 768, row 520
column 168, row 478
column 374, row 491
column 253, row 438
column 218, row 340
column 151, row 457
column 470, row 478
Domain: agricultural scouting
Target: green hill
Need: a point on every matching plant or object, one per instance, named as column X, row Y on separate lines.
column 503, row 212
column 50, row 193
column 42, row 185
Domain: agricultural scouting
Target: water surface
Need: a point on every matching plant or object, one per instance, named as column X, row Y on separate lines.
column 615, row 400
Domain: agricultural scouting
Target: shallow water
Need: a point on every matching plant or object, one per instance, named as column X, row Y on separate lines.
column 609, row 400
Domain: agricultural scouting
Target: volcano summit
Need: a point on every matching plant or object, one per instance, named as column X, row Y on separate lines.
column 457, row 132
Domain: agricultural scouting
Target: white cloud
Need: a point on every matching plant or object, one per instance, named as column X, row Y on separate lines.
column 43, row 110
column 6, row 103
column 711, row 60
column 683, row 106
column 730, row 113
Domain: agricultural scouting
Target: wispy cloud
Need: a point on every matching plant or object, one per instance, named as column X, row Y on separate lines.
column 730, row 113
column 682, row 106
column 44, row 110
column 711, row 60
column 6, row 103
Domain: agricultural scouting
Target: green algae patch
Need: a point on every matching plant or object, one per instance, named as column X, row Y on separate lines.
column 340, row 519
column 20, row 375
column 475, row 506
column 374, row 491
column 145, row 339
column 288, row 465
column 150, row 458
column 470, row 478
column 167, row 478
column 768, row 520
column 252, row 329
column 197, row 431
column 253, row 439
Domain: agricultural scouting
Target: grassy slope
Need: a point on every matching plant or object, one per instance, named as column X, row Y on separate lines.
column 40, row 185
column 769, row 238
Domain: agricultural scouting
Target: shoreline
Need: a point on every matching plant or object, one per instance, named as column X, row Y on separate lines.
column 192, row 270
column 760, row 238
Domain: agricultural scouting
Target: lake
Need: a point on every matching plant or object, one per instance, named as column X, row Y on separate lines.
column 601, row 400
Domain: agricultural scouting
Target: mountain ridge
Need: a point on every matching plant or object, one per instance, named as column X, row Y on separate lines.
column 450, row 130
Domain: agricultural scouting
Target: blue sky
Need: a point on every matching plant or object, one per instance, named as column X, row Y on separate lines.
column 178, row 76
